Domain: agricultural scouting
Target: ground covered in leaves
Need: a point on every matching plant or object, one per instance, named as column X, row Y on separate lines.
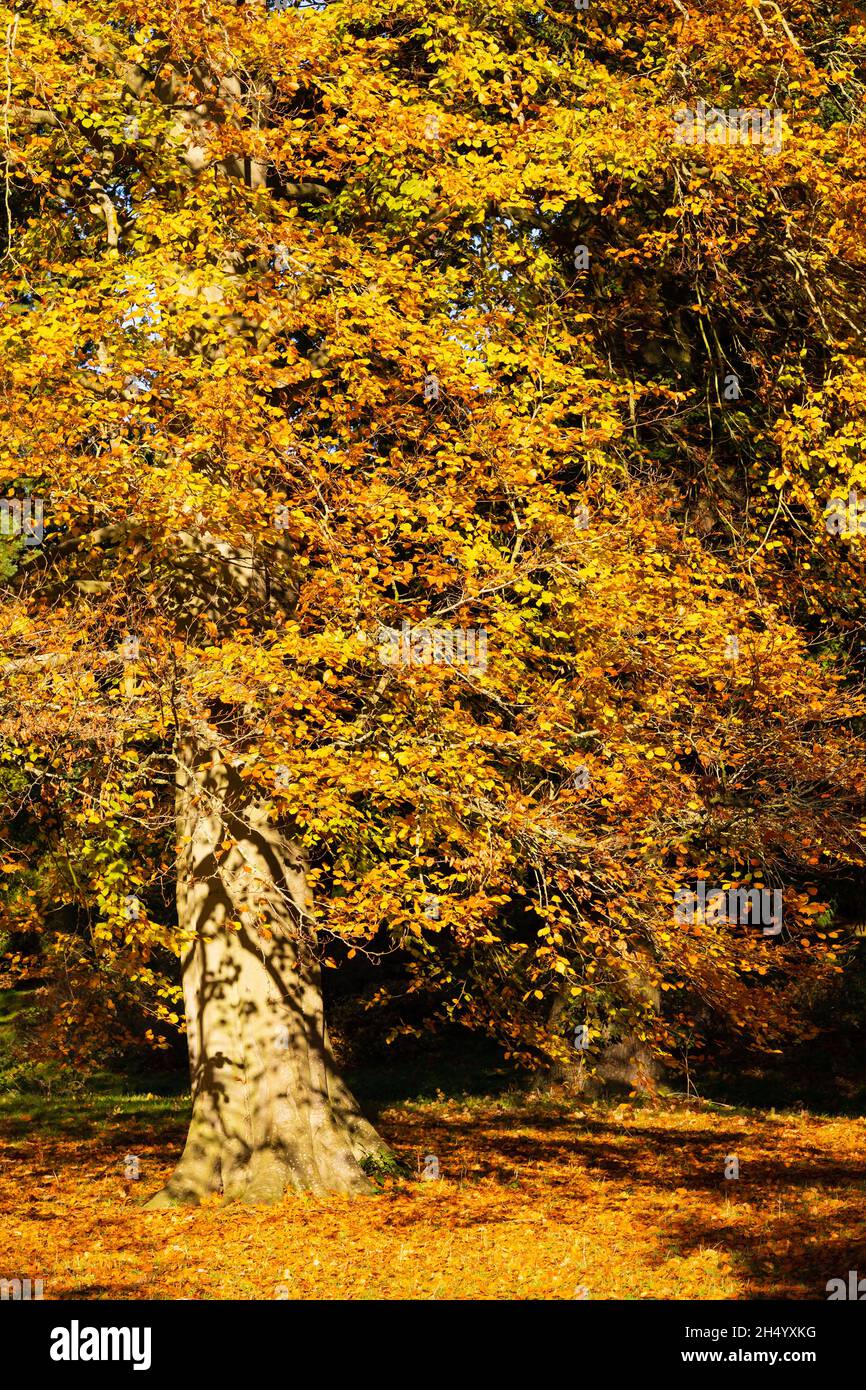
column 537, row 1198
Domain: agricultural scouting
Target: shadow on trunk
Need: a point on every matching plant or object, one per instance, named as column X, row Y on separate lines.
column 270, row 1111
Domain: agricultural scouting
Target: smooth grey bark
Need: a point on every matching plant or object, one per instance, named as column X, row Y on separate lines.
column 270, row 1112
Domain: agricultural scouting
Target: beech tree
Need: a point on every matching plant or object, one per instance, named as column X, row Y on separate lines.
column 427, row 458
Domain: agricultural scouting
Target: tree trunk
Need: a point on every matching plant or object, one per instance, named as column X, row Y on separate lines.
column 269, row 1111
column 622, row 1063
